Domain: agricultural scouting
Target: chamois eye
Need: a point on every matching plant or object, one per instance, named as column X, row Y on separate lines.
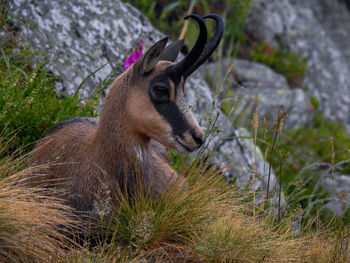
column 160, row 92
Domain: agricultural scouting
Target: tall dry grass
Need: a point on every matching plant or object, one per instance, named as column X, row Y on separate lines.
column 208, row 220
column 34, row 226
column 205, row 220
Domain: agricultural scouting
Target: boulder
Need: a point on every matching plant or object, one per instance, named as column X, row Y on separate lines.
column 318, row 30
column 78, row 37
column 230, row 147
column 332, row 184
column 254, row 86
column 337, row 186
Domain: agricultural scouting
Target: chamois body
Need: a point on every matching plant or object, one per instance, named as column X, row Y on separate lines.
column 90, row 156
column 144, row 113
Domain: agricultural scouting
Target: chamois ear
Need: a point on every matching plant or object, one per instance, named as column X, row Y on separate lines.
column 172, row 51
column 151, row 57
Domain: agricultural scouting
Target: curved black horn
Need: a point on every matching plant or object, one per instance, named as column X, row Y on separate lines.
column 210, row 46
column 181, row 67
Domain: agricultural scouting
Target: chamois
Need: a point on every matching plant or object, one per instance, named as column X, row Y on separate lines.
column 144, row 113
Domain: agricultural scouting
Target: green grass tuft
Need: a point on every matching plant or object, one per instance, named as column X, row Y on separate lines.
column 29, row 104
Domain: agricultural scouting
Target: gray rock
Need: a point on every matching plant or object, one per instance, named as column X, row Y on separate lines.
column 77, row 37
column 332, row 184
column 338, row 186
column 234, row 148
column 255, row 75
column 256, row 85
column 318, row 30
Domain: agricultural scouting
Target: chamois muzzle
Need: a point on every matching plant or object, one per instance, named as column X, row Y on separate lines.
column 190, row 141
column 202, row 49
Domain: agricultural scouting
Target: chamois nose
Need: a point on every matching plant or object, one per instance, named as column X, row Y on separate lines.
column 198, row 138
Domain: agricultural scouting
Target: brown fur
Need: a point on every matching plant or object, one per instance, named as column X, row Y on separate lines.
column 172, row 91
column 125, row 147
column 87, row 156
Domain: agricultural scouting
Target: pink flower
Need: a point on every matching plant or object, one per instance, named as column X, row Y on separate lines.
column 135, row 55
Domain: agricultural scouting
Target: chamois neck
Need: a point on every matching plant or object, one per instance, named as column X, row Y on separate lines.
column 117, row 148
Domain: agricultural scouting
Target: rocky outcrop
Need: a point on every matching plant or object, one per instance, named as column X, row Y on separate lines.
column 337, row 186
column 257, row 86
column 332, row 187
column 318, row 30
column 78, row 37
column 233, row 148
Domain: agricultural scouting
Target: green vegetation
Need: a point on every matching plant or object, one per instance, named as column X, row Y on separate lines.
column 168, row 17
column 236, row 12
column 314, row 144
column 29, row 104
column 285, row 62
column 303, row 157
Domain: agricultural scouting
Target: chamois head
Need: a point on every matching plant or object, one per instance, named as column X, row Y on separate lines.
column 156, row 105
